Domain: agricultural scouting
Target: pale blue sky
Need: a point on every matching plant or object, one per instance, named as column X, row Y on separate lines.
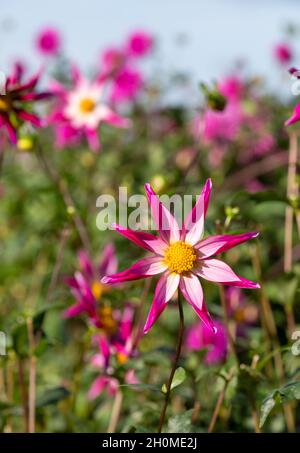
column 219, row 31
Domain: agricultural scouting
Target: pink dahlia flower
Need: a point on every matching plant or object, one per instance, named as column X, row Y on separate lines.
column 16, row 104
column 200, row 337
column 222, row 126
column 86, row 288
column 181, row 256
column 139, row 44
column 80, row 111
column 48, row 41
column 126, row 85
column 231, row 87
column 283, row 53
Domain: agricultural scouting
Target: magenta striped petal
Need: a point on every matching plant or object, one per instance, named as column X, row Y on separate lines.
column 27, row 116
column 218, row 271
column 164, row 220
column 93, row 139
column 218, row 244
column 109, row 262
column 193, row 293
column 146, row 267
column 113, row 119
column 74, row 310
column 85, row 263
column 164, row 290
column 295, row 117
column 206, row 191
column 194, row 223
column 11, row 132
column 145, row 240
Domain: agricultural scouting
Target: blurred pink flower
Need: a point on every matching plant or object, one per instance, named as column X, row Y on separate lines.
column 82, row 109
column 16, row 104
column 126, row 85
column 181, row 256
column 86, row 288
column 48, row 41
column 222, row 126
column 243, row 312
column 103, row 383
column 119, row 345
column 283, row 53
column 200, row 337
column 139, row 44
column 112, row 60
column 231, row 87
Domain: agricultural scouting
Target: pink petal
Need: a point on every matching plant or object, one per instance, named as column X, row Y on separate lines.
column 26, row 116
column 109, row 262
column 97, row 387
column 85, row 263
column 193, row 293
column 206, row 191
column 112, row 118
column 164, row 220
column 164, row 290
column 145, row 267
column 218, row 271
column 74, row 310
column 145, row 240
column 218, row 244
column 194, row 223
column 295, row 116
column 93, row 139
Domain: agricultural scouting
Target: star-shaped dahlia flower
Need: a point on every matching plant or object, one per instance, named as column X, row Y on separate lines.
column 16, row 104
column 181, row 256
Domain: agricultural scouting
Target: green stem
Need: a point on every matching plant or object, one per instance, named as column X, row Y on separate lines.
column 175, row 363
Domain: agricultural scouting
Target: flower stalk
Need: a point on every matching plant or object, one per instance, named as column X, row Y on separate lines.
column 175, row 364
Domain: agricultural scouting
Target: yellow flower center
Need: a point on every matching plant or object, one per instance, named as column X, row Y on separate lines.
column 97, row 289
column 108, row 323
column 180, row 257
column 87, row 105
column 121, row 358
column 5, row 103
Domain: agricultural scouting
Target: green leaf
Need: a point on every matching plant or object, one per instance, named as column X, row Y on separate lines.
column 279, row 396
column 140, row 387
column 180, row 423
column 178, row 379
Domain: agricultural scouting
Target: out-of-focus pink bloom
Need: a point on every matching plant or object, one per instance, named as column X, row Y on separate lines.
column 103, row 383
column 16, row 104
column 243, row 312
column 48, row 41
column 255, row 186
column 222, row 126
column 86, row 288
column 231, row 87
column 81, row 110
column 200, row 337
column 118, row 344
column 264, row 144
column 283, row 53
column 130, row 377
column 139, row 44
column 112, row 60
column 181, row 256
column 295, row 117
column 126, row 85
